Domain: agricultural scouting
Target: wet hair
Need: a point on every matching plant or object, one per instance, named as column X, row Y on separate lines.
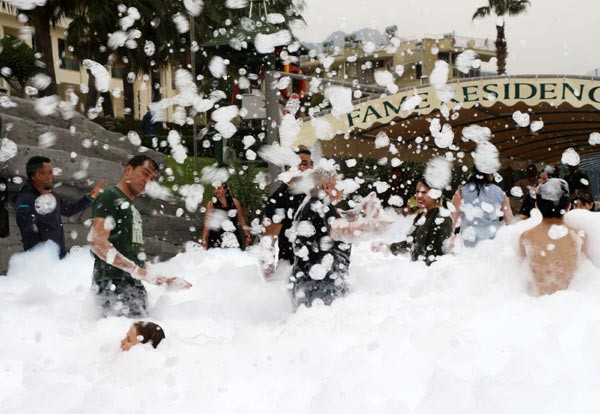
column 140, row 159
column 303, row 151
column 228, row 196
column 551, row 171
column 34, row 165
column 581, row 195
column 397, row 172
column 478, row 179
column 423, row 181
column 552, row 198
column 150, row 332
column 532, row 171
column 319, row 176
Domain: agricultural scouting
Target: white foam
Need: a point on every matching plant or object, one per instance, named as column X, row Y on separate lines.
column 463, row 332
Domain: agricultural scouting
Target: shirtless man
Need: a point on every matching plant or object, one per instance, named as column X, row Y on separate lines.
column 553, row 249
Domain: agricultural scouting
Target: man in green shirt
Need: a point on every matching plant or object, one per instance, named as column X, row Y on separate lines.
column 118, row 244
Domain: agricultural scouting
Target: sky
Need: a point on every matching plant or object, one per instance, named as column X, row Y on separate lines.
column 552, row 37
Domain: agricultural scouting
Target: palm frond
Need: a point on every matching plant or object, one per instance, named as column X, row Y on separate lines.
column 482, row 12
column 517, row 7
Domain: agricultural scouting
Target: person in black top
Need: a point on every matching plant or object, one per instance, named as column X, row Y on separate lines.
column 577, row 180
column 428, row 237
column 149, row 125
column 321, row 240
column 529, row 199
column 4, row 224
column 280, row 210
column 39, row 210
column 223, row 218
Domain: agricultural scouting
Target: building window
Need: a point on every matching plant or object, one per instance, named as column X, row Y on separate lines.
column 419, row 70
column 66, row 59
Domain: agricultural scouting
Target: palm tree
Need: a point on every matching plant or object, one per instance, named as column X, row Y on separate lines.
column 168, row 42
column 501, row 8
column 91, row 22
column 43, row 18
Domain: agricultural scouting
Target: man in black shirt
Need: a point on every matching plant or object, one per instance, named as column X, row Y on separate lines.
column 280, row 210
column 4, row 224
column 322, row 238
column 39, row 209
column 577, row 180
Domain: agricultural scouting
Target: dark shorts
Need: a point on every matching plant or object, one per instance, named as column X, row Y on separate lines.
column 121, row 298
column 305, row 292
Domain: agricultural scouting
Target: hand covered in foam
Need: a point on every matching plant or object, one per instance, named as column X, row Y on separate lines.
column 177, row 283
column 267, row 256
column 376, row 218
column 380, row 246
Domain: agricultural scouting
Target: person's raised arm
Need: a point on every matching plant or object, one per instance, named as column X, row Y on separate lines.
column 69, row 209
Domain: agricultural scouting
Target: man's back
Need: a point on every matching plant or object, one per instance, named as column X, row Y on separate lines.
column 553, row 250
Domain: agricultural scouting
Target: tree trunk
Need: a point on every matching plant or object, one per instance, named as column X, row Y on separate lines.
column 43, row 44
column 128, row 93
column 107, row 105
column 92, row 95
column 155, row 80
column 501, row 49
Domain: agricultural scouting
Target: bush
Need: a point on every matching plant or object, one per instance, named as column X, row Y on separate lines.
column 20, row 58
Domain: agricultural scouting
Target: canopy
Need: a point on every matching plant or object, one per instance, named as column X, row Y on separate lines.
column 567, row 105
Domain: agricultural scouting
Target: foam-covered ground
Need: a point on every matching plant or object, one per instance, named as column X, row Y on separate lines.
column 463, row 336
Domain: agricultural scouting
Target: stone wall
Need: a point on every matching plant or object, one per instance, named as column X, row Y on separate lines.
column 164, row 232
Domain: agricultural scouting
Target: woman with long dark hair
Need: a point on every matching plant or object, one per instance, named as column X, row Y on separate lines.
column 481, row 205
column 222, row 221
column 427, row 238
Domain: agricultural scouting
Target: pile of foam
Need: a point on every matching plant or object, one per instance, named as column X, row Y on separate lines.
column 462, row 336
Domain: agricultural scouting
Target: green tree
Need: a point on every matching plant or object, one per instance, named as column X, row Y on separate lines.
column 95, row 21
column 501, row 8
column 91, row 21
column 42, row 18
column 20, row 58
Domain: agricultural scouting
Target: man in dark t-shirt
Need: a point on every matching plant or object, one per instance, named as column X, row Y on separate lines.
column 577, row 180
column 118, row 244
column 321, row 266
column 322, row 239
column 39, row 209
column 280, row 210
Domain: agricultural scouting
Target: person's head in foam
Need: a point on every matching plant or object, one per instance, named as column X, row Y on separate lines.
column 141, row 333
column 552, row 198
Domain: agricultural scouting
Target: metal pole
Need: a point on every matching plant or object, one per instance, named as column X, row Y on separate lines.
column 194, row 129
column 272, row 106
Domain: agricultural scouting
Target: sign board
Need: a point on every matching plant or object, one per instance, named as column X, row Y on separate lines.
column 532, row 90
